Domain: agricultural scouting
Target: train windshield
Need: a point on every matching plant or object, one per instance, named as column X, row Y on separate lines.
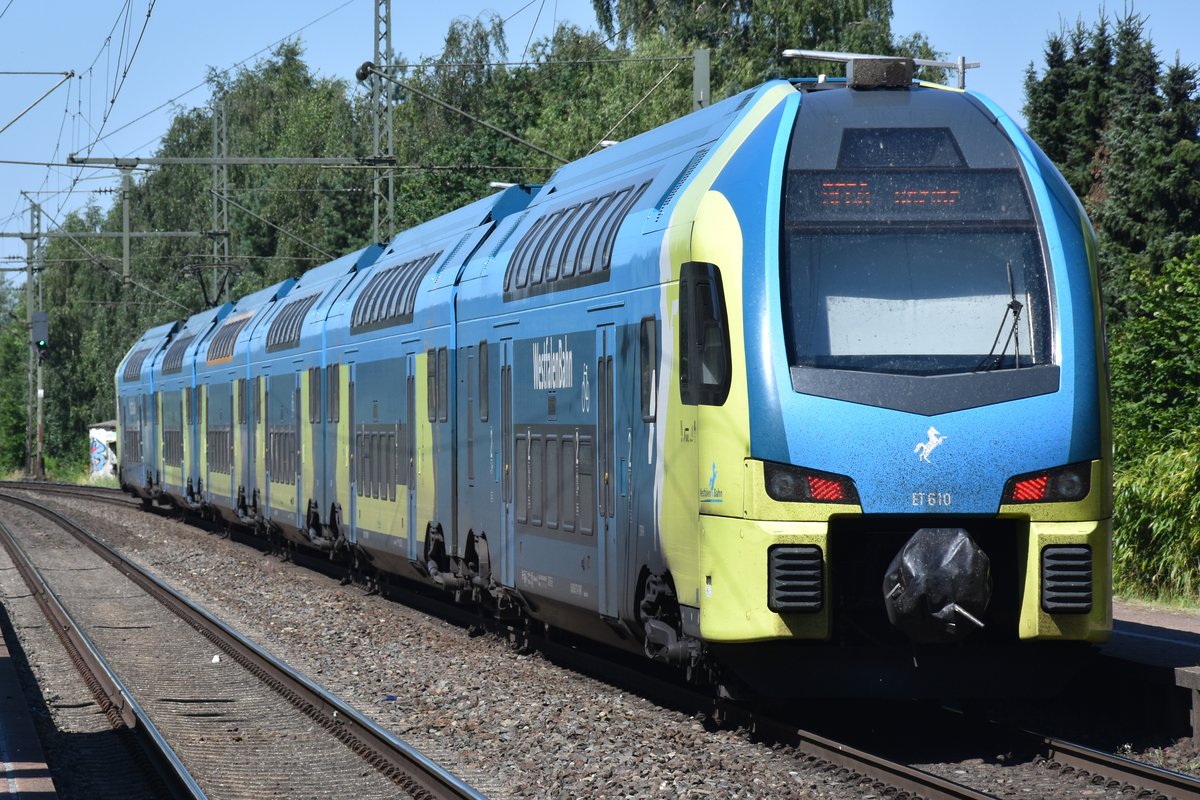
column 910, row 245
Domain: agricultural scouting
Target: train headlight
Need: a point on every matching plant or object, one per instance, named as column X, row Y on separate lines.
column 790, row 484
column 1060, row 485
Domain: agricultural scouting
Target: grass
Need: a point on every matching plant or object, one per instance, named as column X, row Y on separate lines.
column 1156, row 516
column 65, row 474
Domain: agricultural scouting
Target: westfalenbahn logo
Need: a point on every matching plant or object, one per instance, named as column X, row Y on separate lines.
column 926, row 447
column 712, row 494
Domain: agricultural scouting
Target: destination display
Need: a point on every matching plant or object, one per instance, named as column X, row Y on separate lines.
column 906, row 196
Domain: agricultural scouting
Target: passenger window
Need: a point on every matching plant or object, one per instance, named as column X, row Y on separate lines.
column 552, row 482
column 314, row 395
column 535, row 480
column 566, row 482
column 521, row 479
column 649, row 365
column 471, row 413
column 431, row 383
column 333, row 399
column 358, row 464
column 585, row 487
column 401, row 456
column 483, row 381
column 443, row 395
column 393, row 460
column 374, row 465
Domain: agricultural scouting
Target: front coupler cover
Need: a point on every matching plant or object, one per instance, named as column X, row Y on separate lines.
column 938, row 586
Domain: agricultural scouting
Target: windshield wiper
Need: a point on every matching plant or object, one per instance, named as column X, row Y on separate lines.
column 1014, row 333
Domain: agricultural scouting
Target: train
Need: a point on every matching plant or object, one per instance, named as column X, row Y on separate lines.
column 802, row 393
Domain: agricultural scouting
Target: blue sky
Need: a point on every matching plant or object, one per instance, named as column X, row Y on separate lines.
column 183, row 38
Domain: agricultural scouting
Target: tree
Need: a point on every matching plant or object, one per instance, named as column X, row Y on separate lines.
column 275, row 108
column 579, row 88
column 747, row 37
column 1124, row 132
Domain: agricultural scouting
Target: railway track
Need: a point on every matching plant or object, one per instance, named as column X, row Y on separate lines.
column 1110, row 769
column 101, row 494
column 855, row 764
column 888, row 777
column 206, row 696
column 146, row 746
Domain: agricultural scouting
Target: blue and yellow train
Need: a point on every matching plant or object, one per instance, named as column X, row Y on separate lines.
column 814, row 376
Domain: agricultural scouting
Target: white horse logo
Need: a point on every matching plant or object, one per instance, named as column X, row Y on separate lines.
column 925, row 448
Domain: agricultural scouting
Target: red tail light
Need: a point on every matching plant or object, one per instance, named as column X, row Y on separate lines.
column 1030, row 490
column 825, row 490
column 799, row 485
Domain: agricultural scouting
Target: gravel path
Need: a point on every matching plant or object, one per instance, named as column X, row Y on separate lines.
column 513, row 725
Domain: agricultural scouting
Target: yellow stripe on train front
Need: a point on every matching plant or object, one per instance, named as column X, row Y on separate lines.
column 704, row 228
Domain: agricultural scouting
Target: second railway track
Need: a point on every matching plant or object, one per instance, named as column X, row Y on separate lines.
column 244, row 724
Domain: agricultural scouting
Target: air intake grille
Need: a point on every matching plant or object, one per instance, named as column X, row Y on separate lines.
column 796, row 579
column 1067, row 579
column 221, row 349
column 683, row 176
column 133, row 367
column 173, row 362
column 285, row 328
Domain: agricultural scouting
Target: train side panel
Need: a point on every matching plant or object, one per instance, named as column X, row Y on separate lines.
column 137, row 432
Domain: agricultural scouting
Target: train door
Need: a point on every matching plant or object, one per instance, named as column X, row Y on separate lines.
column 283, row 445
column 327, row 449
column 242, row 453
column 349, row 455
column 146, row 417
column 606, row 473
column 299, row 455
column 268, row 465
column 409, row 452
column 507, row 538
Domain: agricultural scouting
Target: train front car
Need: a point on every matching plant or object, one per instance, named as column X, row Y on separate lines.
column 897, row 394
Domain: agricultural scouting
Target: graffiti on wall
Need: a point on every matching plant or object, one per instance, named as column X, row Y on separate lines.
column 104, row 454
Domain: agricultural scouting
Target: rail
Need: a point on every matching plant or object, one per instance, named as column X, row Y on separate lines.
column 395, row 758
column 114, row 699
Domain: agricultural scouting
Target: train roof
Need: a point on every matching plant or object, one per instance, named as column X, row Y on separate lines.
column 322, row 275
column 130, row 369
column 652, row 146
column 180, row 355
column 255, row 300
column 307, row 304
column 395, row 289
column 488, row 209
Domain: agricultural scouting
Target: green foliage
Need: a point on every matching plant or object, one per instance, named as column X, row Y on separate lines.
column 1155, row 358
column 579, row 88
column 1124, row 132
column 14, row 355
column 747, row 37
column 1156, row 546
